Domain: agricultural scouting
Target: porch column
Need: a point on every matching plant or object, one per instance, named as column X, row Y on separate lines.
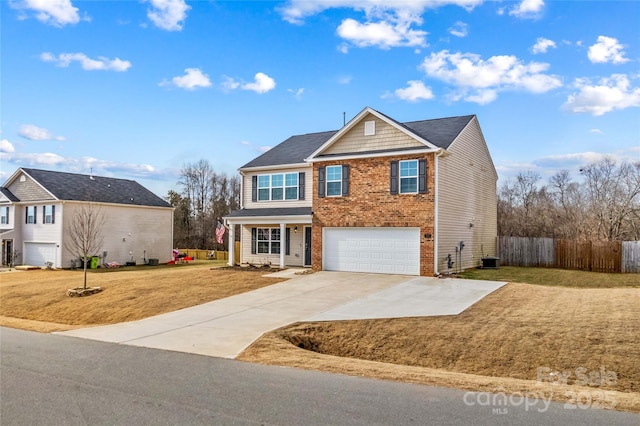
column 282, row 244
column 232, row 244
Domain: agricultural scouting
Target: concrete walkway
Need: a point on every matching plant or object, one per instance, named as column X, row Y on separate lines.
column 225, row 327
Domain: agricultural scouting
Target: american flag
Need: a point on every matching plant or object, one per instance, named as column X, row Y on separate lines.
column 220, row 233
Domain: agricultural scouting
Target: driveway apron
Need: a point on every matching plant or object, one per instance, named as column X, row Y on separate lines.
column 225, row 327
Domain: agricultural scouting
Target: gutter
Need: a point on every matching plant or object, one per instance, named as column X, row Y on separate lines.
column 439, row 153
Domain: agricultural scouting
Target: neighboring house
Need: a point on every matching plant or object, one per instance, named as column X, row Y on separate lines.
column 37, row 206
column 375, row 196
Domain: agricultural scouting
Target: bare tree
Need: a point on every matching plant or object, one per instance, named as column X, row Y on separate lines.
column 603, row 205
column 84, row 232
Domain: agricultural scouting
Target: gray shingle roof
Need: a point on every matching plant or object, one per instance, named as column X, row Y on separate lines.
column 440, row 131
column 292, row 151
column 266, row 212
column 77, row 187
column 8, row 194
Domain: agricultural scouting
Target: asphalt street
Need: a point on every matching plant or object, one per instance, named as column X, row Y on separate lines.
column 52, row 379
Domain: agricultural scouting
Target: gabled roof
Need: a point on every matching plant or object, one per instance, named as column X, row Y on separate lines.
column 434, row 133
column 77, row 187
column 8, row 194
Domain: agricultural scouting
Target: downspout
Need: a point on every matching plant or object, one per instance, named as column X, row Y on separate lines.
column 435, row 218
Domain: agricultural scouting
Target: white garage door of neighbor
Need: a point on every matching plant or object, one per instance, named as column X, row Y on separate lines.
column 377, row 250
column 36, row 254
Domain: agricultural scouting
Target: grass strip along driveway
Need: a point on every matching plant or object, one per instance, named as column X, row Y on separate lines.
column 578, row 345
column 37, row 300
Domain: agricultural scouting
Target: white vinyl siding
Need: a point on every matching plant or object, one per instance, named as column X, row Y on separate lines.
column 296, row 247
column 375, row 250
column 267, row 203
column 467, row 209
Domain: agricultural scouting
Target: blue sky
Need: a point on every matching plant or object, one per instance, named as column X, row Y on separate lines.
column 138, row 89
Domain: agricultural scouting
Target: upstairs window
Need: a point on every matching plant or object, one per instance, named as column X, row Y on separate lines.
column 409, row 177
column 334, row 181
column 4, row 215
column 30, row 216
column 277, row 187
column 49, row 214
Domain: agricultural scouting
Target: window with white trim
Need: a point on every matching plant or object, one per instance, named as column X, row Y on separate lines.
column 31, row 214
column 49, row 214
column 409, row 177
column 334, row 181
column 4, row 215
column 268, row 241
column 278, row 187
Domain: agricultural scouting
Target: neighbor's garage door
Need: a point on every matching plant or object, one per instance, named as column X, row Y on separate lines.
column 378, row 250
column 36, row 254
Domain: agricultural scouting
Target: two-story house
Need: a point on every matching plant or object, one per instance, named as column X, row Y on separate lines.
column 38, row 206
column 416, row 198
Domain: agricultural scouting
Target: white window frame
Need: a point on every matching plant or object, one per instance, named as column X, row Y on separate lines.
column 48, row 214
column 407, row 177
column 266, row 187
column 31, row 215
column 270, row 237
column 4, row 215
column 334, row 180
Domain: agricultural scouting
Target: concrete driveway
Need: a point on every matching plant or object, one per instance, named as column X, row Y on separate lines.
column 225, row 327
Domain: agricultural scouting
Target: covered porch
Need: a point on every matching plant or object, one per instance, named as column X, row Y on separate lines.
column 272, row 236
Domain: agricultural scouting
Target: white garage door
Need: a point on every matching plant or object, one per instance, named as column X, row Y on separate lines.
column 36, row 254
column 378, row 250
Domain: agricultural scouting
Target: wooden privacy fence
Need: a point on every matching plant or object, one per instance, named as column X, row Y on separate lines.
column 212, row 254
column 597, row 256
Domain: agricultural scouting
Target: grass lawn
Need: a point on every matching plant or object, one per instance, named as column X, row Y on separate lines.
column 553, row 277
column 497, row 345
column 36, row 300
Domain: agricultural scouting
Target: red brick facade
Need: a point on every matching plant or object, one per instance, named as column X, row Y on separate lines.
column 371, row 204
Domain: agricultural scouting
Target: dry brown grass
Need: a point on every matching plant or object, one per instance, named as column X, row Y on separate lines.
column 37, row 300
column 496, row 345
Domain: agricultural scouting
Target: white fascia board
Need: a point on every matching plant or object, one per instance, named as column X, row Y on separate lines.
column 15, row 175
column 375, row 154
column 269, row 220
column 271, row 168
column 356, row 120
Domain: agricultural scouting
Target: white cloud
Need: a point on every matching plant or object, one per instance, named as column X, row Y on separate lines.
column 596, row 131
column 527, row 9
column 414, row 92
column 168, row 14
column 35, row 133
column 383, row 34
column 606, row 95
column 479, row 80
column 52, row 12
column 575, row 159
column 88, row 64
column 262, row 84
column 387, row 23
column 542, row 45
column 6, row 146
column 245, row 143
column 459, row 29
column 297, row 93
column 264, row 148
column 607, row 49
column 191, row 80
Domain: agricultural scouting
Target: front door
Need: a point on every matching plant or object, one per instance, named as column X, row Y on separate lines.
column 307, row 246
column 7, row 252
